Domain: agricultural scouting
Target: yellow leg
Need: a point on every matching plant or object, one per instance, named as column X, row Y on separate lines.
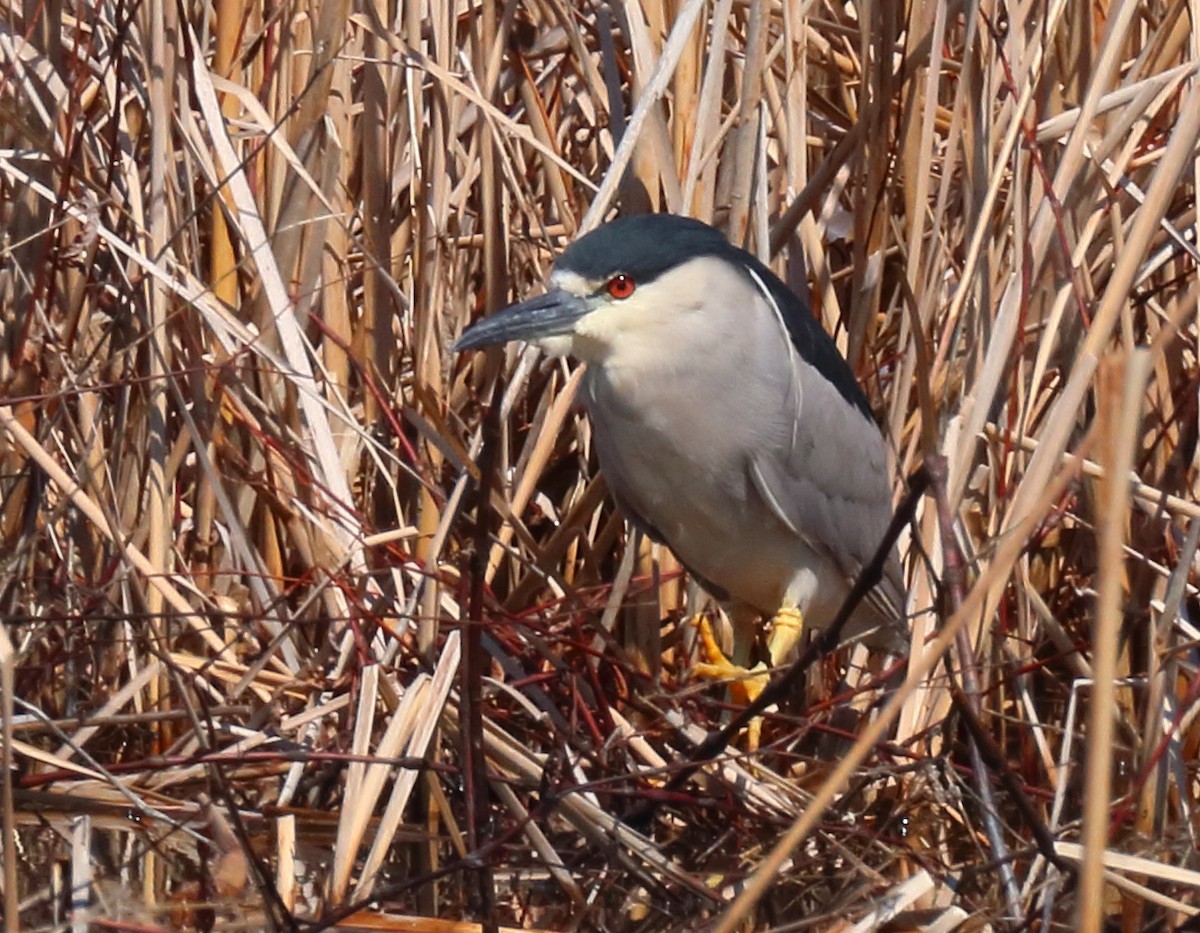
column 786, row 629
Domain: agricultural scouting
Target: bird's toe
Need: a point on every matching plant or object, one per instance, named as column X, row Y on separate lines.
column 745, row 684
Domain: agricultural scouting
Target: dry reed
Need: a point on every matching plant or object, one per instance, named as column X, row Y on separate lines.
column 309, row 622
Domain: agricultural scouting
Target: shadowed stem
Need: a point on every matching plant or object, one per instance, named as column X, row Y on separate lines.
column 474, row 761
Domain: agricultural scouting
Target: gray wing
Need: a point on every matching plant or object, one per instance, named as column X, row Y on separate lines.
column 829, row 481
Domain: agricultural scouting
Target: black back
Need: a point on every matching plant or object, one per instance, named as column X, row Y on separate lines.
column 645, row 246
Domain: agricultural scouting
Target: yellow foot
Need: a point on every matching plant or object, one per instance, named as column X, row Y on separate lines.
column 745, row 684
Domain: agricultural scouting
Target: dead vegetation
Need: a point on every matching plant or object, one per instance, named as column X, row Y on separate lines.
column 242, row 543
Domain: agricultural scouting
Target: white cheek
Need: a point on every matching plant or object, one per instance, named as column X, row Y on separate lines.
column 558, row 345
column 614, row 322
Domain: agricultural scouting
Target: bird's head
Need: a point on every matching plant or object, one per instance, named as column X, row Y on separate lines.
column 620, row 288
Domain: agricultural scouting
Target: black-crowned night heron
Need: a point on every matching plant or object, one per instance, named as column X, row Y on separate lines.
column 727, row 424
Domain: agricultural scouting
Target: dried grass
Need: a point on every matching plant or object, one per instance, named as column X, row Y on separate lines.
column 242, row 549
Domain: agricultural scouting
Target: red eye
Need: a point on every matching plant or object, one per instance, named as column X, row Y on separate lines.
column 621, row 286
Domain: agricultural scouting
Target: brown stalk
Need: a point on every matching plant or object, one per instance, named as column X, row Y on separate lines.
column 283, row 473
column 1122, row 385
